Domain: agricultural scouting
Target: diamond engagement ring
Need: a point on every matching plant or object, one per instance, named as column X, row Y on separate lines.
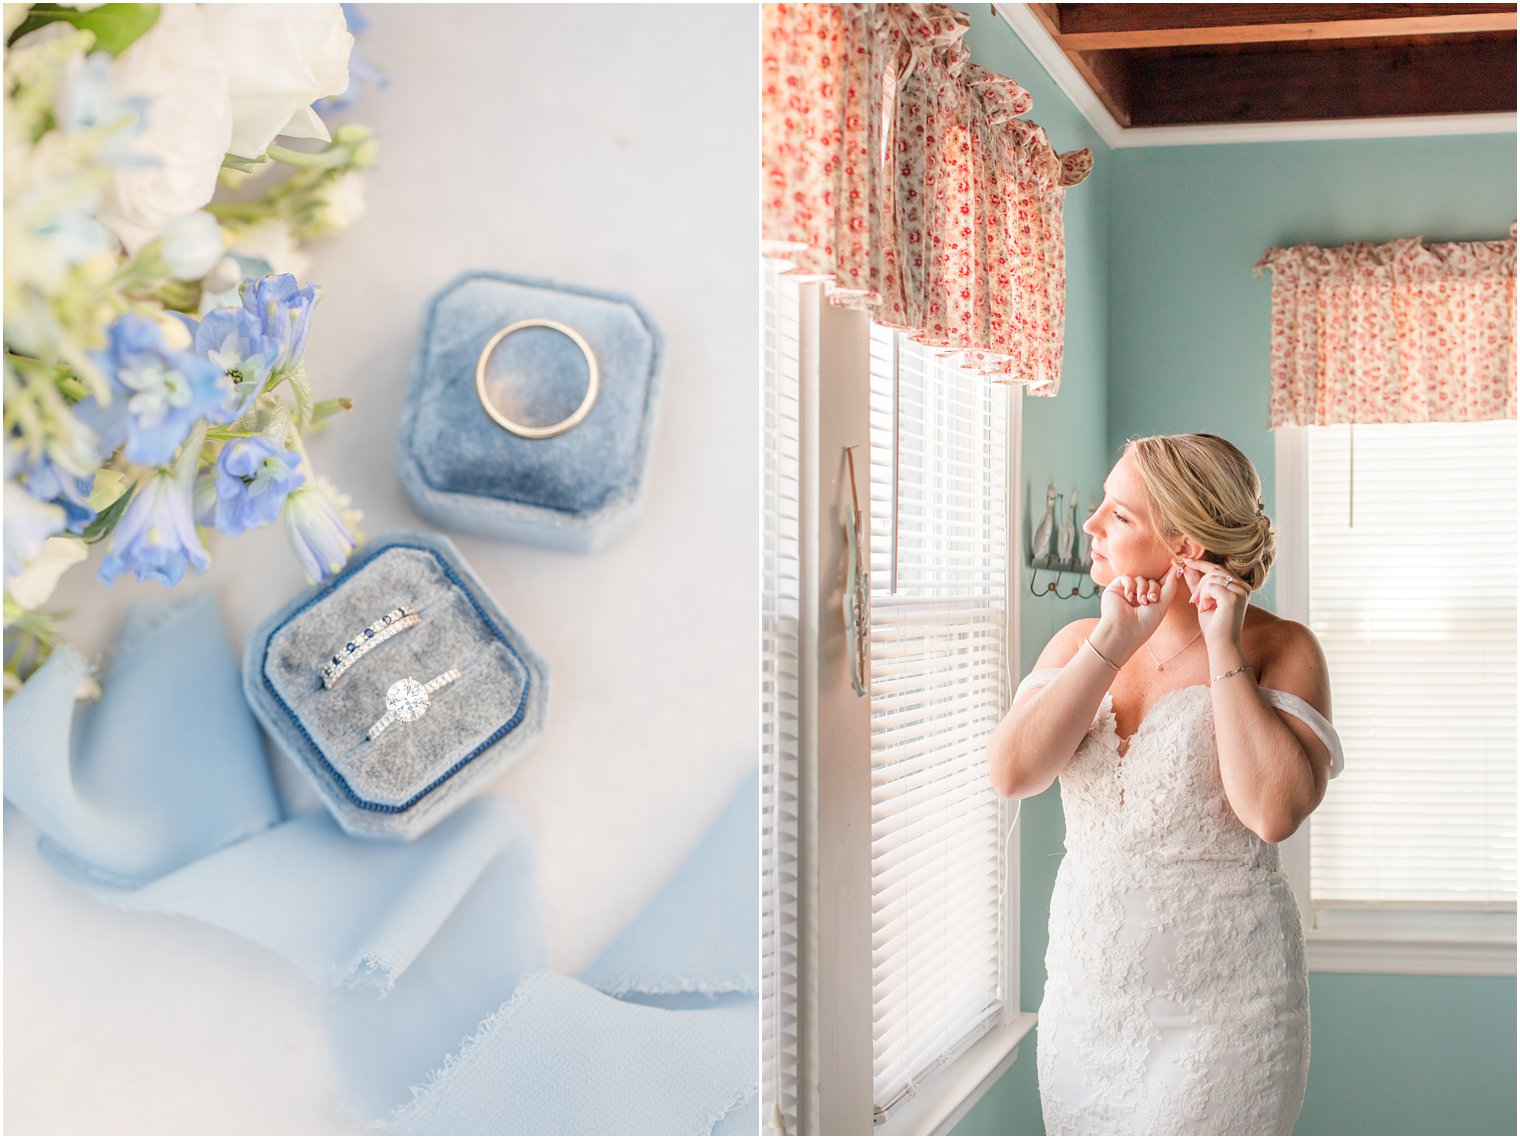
column 408, row 700
column 401, row 617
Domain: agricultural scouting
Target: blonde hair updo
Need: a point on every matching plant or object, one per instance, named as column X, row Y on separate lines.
column 1204, row 488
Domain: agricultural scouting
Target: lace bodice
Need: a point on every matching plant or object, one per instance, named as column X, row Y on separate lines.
column 1176, row 999
column 1163, row 801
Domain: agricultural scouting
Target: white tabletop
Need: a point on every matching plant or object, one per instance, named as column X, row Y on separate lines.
column 613, row 147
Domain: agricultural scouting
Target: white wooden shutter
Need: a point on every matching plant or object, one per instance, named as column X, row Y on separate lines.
column 779, row 771
column 1411, row 590
column 939, row 503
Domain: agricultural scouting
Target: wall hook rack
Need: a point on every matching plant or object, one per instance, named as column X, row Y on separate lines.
column 1054, row 586
column 1054, row 546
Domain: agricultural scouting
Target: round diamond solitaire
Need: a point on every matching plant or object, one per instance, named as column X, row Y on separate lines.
column 408, row 699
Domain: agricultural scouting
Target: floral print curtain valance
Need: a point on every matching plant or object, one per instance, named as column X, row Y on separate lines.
column 900, row 172
column 1395, row 333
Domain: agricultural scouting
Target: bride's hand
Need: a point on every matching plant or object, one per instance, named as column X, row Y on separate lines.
column 1132, row 607
column 1222, row 601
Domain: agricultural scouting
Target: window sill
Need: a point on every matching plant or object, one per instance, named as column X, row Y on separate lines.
column 945, row 1098
column 1349, row 951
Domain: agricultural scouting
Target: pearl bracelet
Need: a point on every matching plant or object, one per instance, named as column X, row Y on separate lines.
column 1232, row 672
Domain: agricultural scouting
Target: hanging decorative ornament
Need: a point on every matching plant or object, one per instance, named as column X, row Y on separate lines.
column 857, row 590
column 1068, row 533
column 1040, row 551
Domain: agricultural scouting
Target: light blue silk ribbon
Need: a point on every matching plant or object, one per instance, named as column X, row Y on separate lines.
column 429, row 956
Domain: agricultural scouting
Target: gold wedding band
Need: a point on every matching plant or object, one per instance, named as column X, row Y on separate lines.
column 593, row 386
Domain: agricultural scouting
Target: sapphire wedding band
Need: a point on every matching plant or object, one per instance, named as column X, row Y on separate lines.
column 593, row 384
column 399, row 618
column 408, row 699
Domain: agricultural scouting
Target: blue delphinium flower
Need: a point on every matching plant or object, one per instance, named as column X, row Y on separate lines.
column 29, row 522
column 72, row 236
column 233, row 339
column 190, row 245
column 55, row 458
column 253, row 478
column 203, row 497
column 155, row 536
column 159, row 392
column 47, row 481
column 284, row 314
column 321, row 539
column 84, row 103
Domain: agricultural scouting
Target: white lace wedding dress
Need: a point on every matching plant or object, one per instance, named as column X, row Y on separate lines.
column 1177, row 996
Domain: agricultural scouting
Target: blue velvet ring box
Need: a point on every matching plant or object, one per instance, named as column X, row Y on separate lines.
column 574, row 491
column 413, row 773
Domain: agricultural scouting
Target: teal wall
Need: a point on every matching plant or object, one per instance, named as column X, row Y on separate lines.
column 1066, row 440
column 1189, row 320
column 1166, row 332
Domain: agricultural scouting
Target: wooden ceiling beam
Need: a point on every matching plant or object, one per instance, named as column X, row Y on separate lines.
column 1289, row 32
column 1106, row 74
column 1354, row 82
column 1080, row 18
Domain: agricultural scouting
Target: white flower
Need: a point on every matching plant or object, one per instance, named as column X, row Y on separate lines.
column 224, row 275
column 28, row 524
column 280, row 59
column 189, row 125
column 31, row 588
column 345, row 504
column 176, row 336
column 342, row 204
column 108, row 486
column 15, row 14
column 192, row 245
column 53, row 183
column 218, row 78
column 271, row 242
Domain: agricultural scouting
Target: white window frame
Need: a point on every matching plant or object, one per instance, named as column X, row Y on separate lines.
column 835, row 1014
column 1352, row 940
column 780, row 924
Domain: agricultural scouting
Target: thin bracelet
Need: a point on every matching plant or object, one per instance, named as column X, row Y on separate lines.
column 1227, row 675
column 1101, row 657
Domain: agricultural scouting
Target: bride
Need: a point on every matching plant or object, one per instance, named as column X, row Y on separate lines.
column 1190, row 732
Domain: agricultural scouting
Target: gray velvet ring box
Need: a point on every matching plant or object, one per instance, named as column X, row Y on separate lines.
column 412, row 774
column 574, row 491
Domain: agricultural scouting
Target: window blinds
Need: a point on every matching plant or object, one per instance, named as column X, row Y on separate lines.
column 1412, row 595
column 939, row 477
column 781, row 513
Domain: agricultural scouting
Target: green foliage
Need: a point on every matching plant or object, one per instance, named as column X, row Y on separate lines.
column 106, row 519
column 116, row 26
column 232, row 161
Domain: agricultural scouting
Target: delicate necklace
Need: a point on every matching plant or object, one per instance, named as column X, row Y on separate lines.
column 1176, row 654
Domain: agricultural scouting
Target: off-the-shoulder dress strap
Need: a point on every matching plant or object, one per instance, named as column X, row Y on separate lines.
column 1309, row 714
column 1287, row 701
column 1036, row 678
